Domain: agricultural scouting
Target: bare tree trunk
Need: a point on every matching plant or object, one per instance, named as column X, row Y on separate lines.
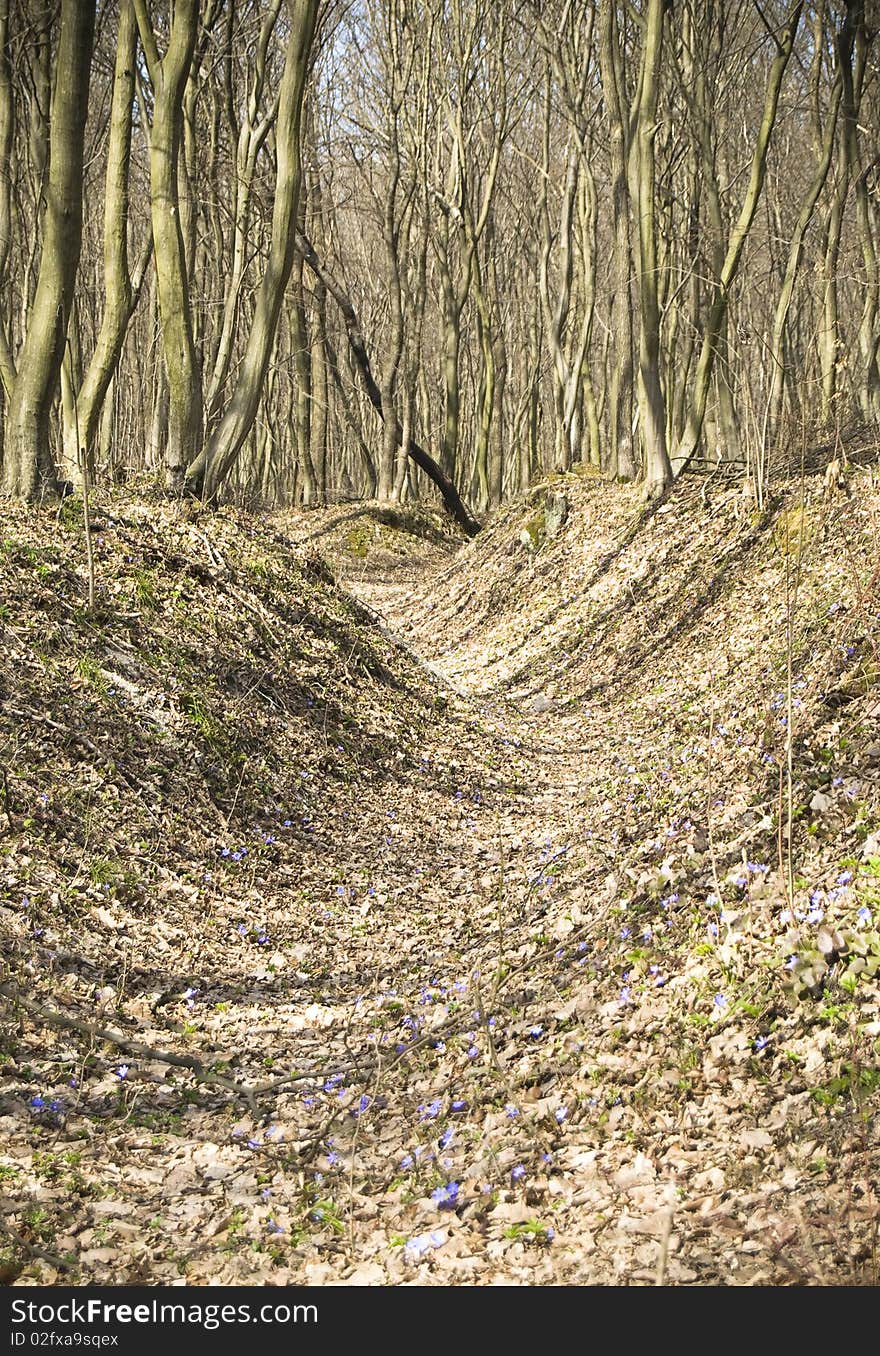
column 302, row 400
column 28, row 464
column 7, row 129
column 120, row 291
column 168, row 76
column 869, row 332
column 320, row 395
column 251, row 137
column 622, row 459
column 451, row 498
column 652, row 409
column 713, row 328
column 497, row 440
column 209, row 471
column 844, row 47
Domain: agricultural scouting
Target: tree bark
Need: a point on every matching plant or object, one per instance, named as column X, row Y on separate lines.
column 29, row 468
column 621, row 458
column 796, row 245
column 652, row 407
column 209, row 470
column 7, row 129
column 715, row 320
column 120, row 291
column 168, row 76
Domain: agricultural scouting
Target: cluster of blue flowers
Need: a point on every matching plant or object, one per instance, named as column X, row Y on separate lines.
column 251, row 932
column 446, row 1197
column 54, row 1106
column 416, row 1248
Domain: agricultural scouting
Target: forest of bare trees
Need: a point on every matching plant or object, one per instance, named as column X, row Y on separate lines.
column 291, row 252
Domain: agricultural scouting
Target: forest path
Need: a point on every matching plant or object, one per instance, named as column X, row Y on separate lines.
column 488, row 968
column 688, row 1160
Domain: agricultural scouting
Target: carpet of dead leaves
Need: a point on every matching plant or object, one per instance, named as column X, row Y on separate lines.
column 377, row 909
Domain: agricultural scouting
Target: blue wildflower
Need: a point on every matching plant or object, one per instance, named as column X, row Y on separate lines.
column 446, row 1197
column 415, row 1248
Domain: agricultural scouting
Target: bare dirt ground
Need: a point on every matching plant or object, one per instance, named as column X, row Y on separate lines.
column 516, row 927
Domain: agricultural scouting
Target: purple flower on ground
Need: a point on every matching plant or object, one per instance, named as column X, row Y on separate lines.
column 446, row 1197
column 415, row 1248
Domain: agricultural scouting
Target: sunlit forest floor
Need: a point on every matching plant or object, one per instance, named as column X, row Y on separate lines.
column 380, row 909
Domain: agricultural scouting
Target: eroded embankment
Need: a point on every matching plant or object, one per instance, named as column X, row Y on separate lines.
column 511, row 974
